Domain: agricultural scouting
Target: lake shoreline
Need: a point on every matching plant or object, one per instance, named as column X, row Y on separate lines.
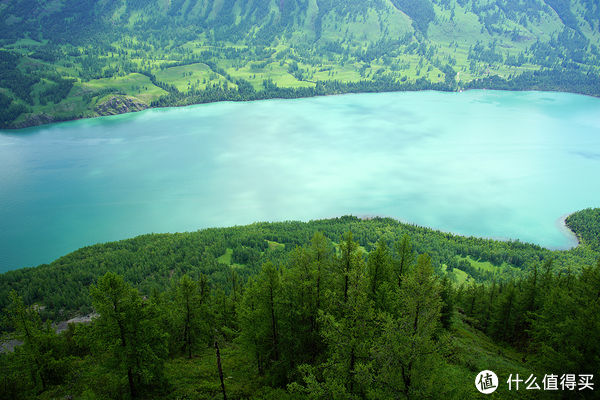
column 560, row 223
column 43, row 119
column 564, row 228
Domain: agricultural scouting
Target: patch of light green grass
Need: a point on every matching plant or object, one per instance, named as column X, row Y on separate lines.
column 489, row 267
column 274, row 245
column 277, row 73
column 134, row 84
column 346, row 73
column 226, row 258
column 458, row 276
column 190, row 76
column 198, row 378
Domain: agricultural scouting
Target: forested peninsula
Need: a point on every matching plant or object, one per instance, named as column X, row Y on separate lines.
column 70, row 59
column 343, row 308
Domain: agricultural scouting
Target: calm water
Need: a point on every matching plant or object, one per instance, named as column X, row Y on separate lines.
column 494, row 164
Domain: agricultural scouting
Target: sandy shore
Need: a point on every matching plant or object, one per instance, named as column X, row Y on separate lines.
column 563, row 227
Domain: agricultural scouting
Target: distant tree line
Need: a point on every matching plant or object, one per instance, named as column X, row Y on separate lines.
column 545, row 80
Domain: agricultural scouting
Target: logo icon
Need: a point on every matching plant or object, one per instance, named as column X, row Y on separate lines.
column 486, row 382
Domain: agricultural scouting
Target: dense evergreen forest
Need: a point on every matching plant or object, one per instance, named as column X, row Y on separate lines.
column 344, row 308
column 72, row 59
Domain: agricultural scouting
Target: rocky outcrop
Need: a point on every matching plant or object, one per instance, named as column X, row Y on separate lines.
column 8, row 345
column 64, row 325
column 120, row 105
column 35, row 120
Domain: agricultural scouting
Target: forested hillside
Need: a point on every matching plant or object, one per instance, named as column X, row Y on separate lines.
column 68, row 59
column 151, row 261
column 588, row 232
column 342, row 308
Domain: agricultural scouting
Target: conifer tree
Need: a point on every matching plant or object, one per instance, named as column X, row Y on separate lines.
column 348, row 260
column 349, row 337
column 407, row 350
column 379, row 265
column 303, row 287
column 322, row 257
column 259, row 316
column 502, row 324
column 566, row 329
column 127, row 334
column 490, row 306
column 447, row 298
column 40, row 357
column 193, row 319
column 404, row 257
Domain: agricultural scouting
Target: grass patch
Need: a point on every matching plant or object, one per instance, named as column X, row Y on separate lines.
column 483, row 265
column 192, row 76
column 474, row 352
column 198, row 378
column 275, row 245
column 457, row 276
column 226, row 258
column 136, row 85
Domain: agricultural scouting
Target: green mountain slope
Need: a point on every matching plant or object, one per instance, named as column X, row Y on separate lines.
column 65, row 59
column 150, row 261
column 340, row 308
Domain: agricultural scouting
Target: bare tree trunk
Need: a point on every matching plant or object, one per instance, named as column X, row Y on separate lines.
column 130, row 380
column 351, row 370
column 131, row 384
column 188, row 323
column 220, row 370
column 274, row 325
column 346, row 288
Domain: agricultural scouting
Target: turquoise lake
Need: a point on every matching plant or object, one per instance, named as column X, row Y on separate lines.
column 494, row 164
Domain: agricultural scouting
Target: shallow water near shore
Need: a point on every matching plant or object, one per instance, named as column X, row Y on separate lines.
column 494, row 164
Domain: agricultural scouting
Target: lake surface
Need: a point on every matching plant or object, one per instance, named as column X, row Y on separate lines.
column 483, row 163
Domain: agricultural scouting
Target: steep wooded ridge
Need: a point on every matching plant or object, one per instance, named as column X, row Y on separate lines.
column 63, row 59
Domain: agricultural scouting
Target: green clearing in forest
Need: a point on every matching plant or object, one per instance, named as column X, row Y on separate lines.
column 133, row 84
column 185, row 77
column 226, row 258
